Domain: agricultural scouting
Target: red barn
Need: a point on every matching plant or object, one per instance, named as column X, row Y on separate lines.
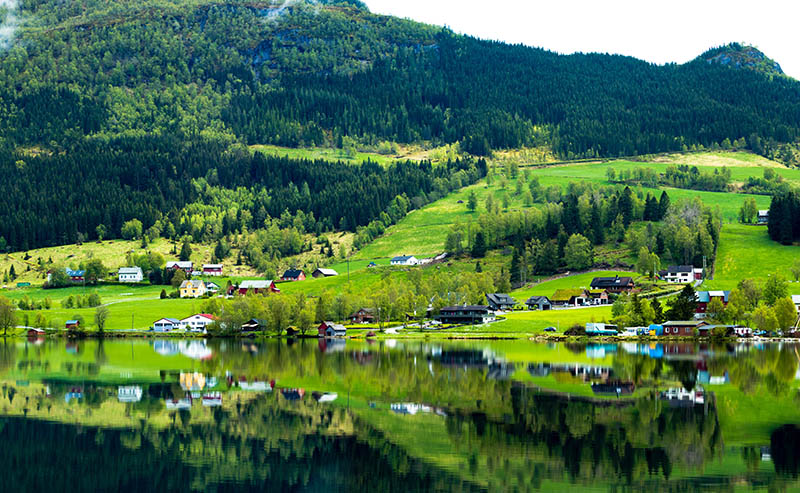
column 258, row 287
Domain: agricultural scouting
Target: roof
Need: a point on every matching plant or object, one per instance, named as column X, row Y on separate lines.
column 535, row 300
column 501, row 299
column 180, row 264
column 171, row 320
column 681, row 268
column 602, row 282
column 465, row 307
column 336, row 327
column 402, row 258
column 684, row 323
column 566, row 294
column 705, row 296
column 212, row 266
column 204, row 315
column 193, row 283
column 327, row 272
column 292, row 273
column 72, row 322
column 71, row 272
column 211, row 284
column 763, row 212
column 796, row 299
column 255, row 284
column 130, row 270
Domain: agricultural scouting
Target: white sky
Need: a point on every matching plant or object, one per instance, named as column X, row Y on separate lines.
column 660, row 32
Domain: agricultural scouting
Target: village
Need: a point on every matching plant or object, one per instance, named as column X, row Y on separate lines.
column 365, row 321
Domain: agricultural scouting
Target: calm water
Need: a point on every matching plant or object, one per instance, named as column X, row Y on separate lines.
column 397, row 416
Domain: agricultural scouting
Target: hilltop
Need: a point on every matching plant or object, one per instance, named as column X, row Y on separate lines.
column 741, row 56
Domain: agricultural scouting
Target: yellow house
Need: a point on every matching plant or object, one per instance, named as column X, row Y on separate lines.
column 192, row 289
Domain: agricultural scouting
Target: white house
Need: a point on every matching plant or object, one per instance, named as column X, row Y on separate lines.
column 130, row 274
column 197, row 323
column 166, row 324
column 405, row 260
column 681, row 274
column 212, row 287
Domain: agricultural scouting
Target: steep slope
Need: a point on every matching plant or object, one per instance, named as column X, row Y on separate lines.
column 299, row 73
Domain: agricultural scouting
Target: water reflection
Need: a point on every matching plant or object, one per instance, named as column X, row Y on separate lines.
column 410, row 416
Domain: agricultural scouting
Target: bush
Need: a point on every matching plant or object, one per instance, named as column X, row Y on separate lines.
column 163, row 294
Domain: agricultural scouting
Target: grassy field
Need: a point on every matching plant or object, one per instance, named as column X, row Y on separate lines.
column 746, row 251
column 403, row 153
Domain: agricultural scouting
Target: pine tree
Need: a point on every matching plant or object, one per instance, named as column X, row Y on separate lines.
column 186, row 250
column 12, row 273
column 479, row 246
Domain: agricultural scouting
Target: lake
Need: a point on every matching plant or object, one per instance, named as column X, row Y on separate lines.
column 335, row 415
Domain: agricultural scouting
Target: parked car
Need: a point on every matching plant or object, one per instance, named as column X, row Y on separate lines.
column 550, row 329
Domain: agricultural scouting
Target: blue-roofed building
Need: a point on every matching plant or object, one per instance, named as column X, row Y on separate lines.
column 704, row 298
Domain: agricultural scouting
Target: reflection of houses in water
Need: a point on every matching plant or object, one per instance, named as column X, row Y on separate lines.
column 501, row 371
column 613, row 388
column 327, row 345
column 195, row 349
column 256, row 385
column 192, row 381
column 165, row 348
column 680, row 397
column 577, row 370
column 179, row 404
column 363, row 357
column 323, row 397
column 75, row 393
column 212, row 399
column 410, row 408
column 129, row 393
column 293, row 394
column 599, row 351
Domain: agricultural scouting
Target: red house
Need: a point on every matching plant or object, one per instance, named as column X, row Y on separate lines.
column 682, row 328
column 258, row 287
column 184, row 266
column 704, row 298
column 292, row 275
column 363, row 316
column 212, row 269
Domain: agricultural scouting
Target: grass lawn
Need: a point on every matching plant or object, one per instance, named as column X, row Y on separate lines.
column 328, row 154
column 533, row 322
column 746, row 251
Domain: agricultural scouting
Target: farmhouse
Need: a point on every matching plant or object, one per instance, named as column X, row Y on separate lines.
column 320, row 272
column 73, row 324
column 682, row 328
column 197, row 323
column 363, row 316
column 465, row 314
column 763, row 216
column 258, row 287
column 166, row 324
column 293, row 275
column 681, row 274
column 330, row 329
column 212, row 269
column 192, row 289
column 184, row 266
column 538, row 303
column 500, row 302
column 76, row 275
column 570, row 297
column 254, row 324
column 614, row 284
column 704, row 299
column 405, row 260
column 598, row 296
column 130, row 274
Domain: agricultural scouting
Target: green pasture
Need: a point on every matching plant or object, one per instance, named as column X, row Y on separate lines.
column 327, row 154
column 747, row 251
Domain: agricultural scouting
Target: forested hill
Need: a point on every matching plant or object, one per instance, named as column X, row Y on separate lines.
column 303, row 73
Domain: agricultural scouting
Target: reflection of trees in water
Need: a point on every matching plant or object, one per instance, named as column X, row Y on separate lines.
column 589, row 441
column 263, row 446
